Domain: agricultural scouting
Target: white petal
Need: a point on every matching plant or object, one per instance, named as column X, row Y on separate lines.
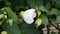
column 34, row 15
column 28, row 19
column 30, row 12
column 29, row 15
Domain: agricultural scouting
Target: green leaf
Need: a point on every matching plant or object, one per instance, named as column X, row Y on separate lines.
column 11, row 14
column 42, row 8
column 53, row 32
column 57, row 5
column 58, row 2
column 48, row 6
column 44, row 19
column 59, row 11
column 7, row 3
column 53, row 11
column 14, row 29
column 28, row 28
column 58, row 19
column 34, row 3
column 31, row 3
column 53, row 0
column 38, row 2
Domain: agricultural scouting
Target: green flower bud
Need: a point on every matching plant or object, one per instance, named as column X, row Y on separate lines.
column 10, row 21
column 4, row 32
column 1, row 16
column 21, row 14
column 38, row 22
column 5, row 16
column 39, row 13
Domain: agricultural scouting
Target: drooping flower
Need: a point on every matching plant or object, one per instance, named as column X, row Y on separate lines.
column 29, row 16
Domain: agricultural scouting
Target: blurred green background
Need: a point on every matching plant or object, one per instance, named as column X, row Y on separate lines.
column 50, row 12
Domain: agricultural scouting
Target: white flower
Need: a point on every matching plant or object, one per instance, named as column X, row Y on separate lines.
column 29, row 16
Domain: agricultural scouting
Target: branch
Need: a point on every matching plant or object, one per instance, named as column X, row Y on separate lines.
column 55, row 26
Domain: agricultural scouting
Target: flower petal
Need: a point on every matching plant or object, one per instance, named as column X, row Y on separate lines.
column 28, row 19
column 29, row 15
column 34, row 15
column 30, row 12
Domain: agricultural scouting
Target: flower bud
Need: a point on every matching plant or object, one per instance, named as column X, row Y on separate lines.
column 39, row 13
column 10, row 21
column 21, row 13
column 1, row 16
column 5, row 16
column 4, row 32
column 38, row 22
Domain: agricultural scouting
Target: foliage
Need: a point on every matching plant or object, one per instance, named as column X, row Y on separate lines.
column 10, row 9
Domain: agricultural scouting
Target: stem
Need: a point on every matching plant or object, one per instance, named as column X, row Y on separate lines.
column 55, row 27
column 58, row 28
